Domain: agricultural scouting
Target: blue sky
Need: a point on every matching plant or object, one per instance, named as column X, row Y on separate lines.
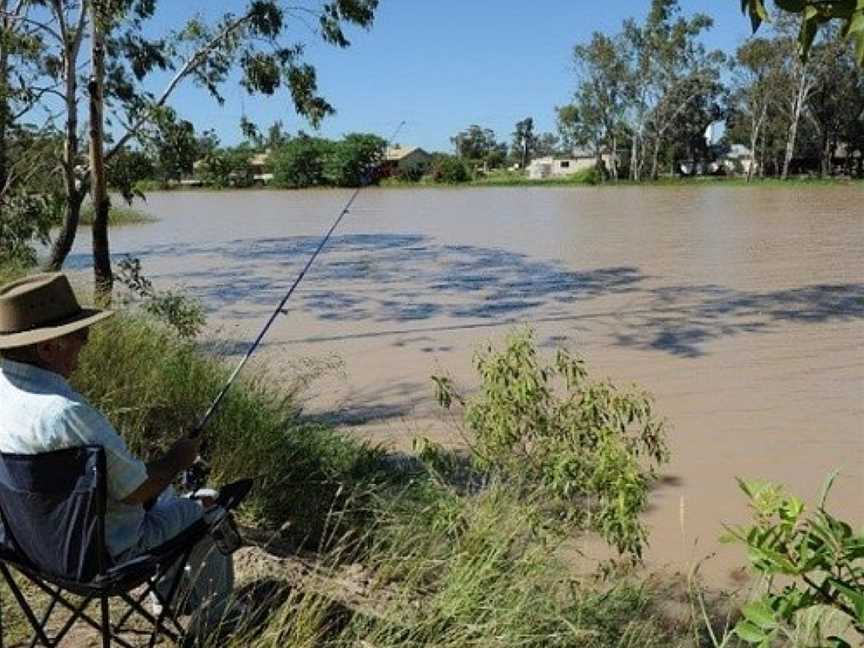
column 440, row 65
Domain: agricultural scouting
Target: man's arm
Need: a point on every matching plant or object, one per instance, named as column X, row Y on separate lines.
column 162, row 472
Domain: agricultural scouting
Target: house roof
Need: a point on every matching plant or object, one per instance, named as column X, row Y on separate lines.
column 399, row 152
column 260, row 159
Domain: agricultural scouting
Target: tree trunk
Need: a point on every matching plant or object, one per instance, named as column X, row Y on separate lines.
column 99, row 190
column 797, row 107
column 74, row 193
column 634, row 158
column 827, row 156
column 754, row 142
column 613, row 159
column 655, row 156
column 5, row 110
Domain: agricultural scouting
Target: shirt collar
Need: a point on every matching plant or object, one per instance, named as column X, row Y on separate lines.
column 32, row 373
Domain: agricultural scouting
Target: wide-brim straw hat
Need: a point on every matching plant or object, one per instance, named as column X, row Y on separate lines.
column 42, row 307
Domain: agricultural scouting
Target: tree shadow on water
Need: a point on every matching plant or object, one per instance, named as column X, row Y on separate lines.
column 682, row 320
column 383, row 278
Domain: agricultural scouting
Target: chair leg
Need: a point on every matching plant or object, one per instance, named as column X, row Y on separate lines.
column 22, row 603
column 76, row 614
column 1, row 622
column 106, row 623
column 46, row 616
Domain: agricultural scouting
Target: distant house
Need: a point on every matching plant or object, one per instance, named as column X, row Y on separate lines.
column 259, row 167
column 734, row 159
column 561, row 167
column 406, row 160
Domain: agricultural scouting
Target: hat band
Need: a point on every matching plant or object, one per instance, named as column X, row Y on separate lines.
column 66, row 319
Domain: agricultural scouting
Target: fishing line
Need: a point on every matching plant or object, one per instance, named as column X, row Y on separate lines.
column 280, row 309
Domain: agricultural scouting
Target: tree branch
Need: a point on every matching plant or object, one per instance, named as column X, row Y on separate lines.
column 194, row 61
column 43, row 26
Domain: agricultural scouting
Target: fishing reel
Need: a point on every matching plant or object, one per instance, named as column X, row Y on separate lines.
column 195, row 476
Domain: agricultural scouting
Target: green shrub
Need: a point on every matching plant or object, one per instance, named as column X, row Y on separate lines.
column 586, row 176
column 117, row 216
column 819, row 558
column 184, row 314
column 228, row 167
column 350, row 160
column 25, row 219
column 300, row 163
column 588, row 443
column 449, row 169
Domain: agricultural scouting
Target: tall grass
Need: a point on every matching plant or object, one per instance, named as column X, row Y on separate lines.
column 154, row 387
column 457, row 571
column 117, row 216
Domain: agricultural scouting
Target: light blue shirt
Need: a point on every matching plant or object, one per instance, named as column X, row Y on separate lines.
column 40, row 412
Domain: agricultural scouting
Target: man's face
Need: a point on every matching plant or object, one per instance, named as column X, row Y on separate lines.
column 61, row 354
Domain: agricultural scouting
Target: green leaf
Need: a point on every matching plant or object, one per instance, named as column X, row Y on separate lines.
column 854, row 594
column 829, row 482
column 750, row 633
column 836, row 642
column 855, row 30
column 809, row 28
column 760, row 614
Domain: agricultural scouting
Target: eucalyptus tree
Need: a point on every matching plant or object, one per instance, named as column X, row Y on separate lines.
column 263, row 41
column 835, row 108
column 522, row 145
column 568, row 122
column 20, row 48
column 479, row 144
column 601, row 97
column 669, row 72
column 758, row 77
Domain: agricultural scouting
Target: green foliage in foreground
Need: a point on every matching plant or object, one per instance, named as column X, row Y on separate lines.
column 819, row 556
column 452, row 571
column 593, row 446
column 814, row 14
column 445, row 567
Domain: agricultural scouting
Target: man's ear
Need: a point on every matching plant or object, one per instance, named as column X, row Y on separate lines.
column 46, row 350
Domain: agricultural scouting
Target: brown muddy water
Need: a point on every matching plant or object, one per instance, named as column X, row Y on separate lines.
column 741, row 309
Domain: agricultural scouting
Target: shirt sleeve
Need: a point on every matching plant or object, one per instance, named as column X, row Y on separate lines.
column 125, row 471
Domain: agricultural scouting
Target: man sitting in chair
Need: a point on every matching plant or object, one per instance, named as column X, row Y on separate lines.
column 42, row 332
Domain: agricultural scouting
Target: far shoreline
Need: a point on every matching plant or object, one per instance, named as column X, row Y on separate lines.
column 697, row 182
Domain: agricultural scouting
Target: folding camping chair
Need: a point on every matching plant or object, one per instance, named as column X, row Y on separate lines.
column 52, row 508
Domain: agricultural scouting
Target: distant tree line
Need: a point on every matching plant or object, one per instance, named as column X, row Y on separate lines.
column 646, row 95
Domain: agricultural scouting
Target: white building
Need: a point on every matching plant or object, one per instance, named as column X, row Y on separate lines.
column 555, row 167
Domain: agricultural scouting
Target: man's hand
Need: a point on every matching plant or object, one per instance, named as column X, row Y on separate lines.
column 184, row 453
column 160, row 473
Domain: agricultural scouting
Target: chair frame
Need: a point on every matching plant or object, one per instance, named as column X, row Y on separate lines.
column 113, row 580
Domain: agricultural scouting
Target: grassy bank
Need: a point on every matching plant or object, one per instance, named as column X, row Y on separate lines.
column 445, row 565
column 117, row 216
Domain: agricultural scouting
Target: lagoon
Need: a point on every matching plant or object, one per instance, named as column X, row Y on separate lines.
column 741, row 309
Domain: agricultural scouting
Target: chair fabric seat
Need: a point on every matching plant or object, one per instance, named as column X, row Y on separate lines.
column 123, row 576
column 52, row 530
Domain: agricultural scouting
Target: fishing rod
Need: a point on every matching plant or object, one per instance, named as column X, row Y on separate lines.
column 280, row 309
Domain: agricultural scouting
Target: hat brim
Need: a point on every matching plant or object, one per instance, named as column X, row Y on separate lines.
column 86, row 318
